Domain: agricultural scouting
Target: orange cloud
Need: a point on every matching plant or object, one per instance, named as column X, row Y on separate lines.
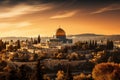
column 108, row 8
column 64, row 15
column 22, row 9
column 16, row 25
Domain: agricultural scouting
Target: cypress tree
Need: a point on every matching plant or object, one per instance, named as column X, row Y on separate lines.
column 39, row 39
column 68, row 73
column 18, row 44
column 39, row 72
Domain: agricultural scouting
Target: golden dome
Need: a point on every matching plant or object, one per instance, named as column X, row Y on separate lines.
column 60, row 32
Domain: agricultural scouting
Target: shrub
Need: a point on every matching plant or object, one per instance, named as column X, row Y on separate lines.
column 106, row 71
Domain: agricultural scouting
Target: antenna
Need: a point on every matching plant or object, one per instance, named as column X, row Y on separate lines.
column 59, row 26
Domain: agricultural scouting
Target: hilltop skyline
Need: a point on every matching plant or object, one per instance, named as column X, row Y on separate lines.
column 28, row 18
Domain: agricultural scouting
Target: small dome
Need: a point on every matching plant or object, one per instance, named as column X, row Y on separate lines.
column 60, row 32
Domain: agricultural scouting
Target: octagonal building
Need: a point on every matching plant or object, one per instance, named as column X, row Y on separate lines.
column 60, row 36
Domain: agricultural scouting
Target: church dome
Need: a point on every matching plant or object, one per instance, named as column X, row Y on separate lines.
column 60, row 32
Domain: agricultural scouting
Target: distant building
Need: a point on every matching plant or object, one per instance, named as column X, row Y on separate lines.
column 57, row 42
column 60, row 37
column 117, row 44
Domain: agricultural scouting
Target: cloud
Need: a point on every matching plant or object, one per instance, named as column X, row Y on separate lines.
column 30, row 1
column 22, row 9
column 15, row 25
column 108, row 8
column 20, row 32
column 64, row 15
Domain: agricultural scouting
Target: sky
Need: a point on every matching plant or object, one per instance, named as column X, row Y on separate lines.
column 30, row 18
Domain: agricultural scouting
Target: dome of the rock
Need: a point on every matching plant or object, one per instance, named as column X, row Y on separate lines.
column 60, row 36
column 60, row 32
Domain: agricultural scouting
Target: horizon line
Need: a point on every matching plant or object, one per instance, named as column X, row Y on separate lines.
column 66, row 35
